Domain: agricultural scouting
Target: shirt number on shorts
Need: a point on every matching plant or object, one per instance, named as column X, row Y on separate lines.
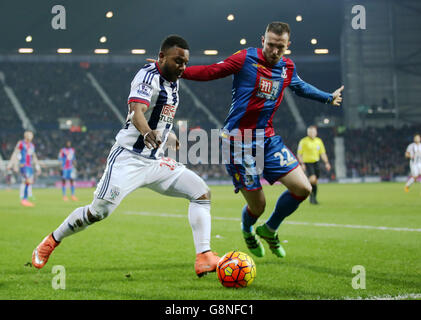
column 285, row 157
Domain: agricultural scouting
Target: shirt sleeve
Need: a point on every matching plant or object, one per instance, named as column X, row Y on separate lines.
column 322, row 147
column 141, row 89
column 306, row 90
column 229, row 66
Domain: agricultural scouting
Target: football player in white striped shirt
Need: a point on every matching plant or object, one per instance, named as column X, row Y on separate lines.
column 136, row 159
column 413, row 153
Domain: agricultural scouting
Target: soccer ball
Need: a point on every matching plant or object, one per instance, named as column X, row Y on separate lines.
column 236, row 270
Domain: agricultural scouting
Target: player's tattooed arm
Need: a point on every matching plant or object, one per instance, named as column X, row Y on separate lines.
column 150, row 137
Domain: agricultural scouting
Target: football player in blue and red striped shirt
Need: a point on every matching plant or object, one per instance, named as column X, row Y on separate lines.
column 25, row 158
column 68, row 160
column 260, row 76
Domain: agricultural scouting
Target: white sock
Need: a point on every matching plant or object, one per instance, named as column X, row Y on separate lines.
column 410, row 181
column 75, row 222
column 200, row 222
column 22, row 190
column 30, row 190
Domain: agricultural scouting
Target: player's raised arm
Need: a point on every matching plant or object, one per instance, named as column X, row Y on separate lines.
column 150, row 137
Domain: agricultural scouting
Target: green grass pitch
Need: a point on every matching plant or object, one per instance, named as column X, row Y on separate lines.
column 144, row 250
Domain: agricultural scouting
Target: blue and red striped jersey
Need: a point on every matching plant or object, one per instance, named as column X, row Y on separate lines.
column 257, row 89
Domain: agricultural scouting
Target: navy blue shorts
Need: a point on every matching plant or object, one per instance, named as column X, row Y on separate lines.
column 67, row 174
column 278, row 161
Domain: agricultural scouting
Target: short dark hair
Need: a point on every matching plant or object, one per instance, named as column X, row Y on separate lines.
column 174, row 40
column 278, row 28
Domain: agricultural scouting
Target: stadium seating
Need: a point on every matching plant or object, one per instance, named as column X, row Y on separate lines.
column 48, row 91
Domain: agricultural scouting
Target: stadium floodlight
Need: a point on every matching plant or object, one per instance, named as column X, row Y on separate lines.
column 299, row 18
column 25, row 50
column 64, row 50
column 210, row 52
column 321, row 51
column 101, row 51
column 138, row 51
column 103, row 39
column 109, row 14
column 28, row 38
column 230, row 17
column 243, row 41
column 313, row 41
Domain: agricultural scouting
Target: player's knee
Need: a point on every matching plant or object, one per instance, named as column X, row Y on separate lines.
column 99, row 210
column 303, row 190
column 313, row 179
column 306, row 190
column 205, row 196
column 257, row 209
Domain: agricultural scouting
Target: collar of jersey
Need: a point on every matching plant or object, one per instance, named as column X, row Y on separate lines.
column 160, row 73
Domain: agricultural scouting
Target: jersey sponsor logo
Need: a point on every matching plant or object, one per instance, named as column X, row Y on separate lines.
column 168, row 113
column 268, row 89
column 259, row 66
column 144, row 90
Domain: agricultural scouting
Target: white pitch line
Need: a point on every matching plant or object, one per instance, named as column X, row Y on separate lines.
column 317, row 224
column 388, row 297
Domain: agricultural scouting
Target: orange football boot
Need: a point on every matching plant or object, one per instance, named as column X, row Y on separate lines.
column 406, row 189
column 74, row 198
column 27, row 203
column 65, row 198
column 42, row 252
column 206, row 262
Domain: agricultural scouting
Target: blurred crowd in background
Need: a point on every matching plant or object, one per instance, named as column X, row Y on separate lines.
column 48, row 92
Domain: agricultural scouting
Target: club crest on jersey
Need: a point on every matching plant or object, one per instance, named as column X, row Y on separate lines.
column 284, row 72
column 168, row 113
column 268, row 89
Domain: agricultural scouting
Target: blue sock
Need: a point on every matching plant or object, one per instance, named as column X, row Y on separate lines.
column 25, row 192
column 286, row 204
column 73, row 189
column 247, row 219
column 63, row 190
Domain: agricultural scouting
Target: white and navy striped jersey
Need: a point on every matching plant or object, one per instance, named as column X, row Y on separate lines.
column 414, row 150
column 161, row 97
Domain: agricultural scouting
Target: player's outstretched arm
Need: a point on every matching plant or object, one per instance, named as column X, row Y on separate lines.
column 222, row 69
